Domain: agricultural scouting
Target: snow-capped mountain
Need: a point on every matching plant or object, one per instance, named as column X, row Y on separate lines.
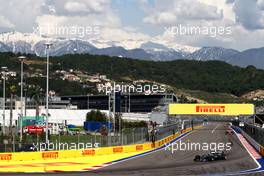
column 17, row 42
column 212, row 53
column 184, row 49
column 64, row 47
column 13, row 37
column 20, row 47
column 147, row 51
column 30, row 43
column 160, row 52
column 121, row 52
column 151, row 46
column 4, row 47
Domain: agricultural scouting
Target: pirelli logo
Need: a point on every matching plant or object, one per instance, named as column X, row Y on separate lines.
column 6, row 157
column 118, row 150
column 212, row 109
column 139, row 147
column 50, row 155
column 88, row 152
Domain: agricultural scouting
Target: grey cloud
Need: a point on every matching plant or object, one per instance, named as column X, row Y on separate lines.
column 181, row 11
column 26, row 14
column 20, row 13
column 76, row 8
column 249, row 14
column 230, row 1
column 261, row 4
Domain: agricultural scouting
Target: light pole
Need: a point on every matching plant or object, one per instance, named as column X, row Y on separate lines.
column 109, row 117
column 88, row 102
column 4, row 87
column 125, row 97
column 48, row 45
column 129, row 101
column 21, row 95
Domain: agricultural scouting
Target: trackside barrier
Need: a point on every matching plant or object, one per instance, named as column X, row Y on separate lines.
column 48, row 155
column 256, row 145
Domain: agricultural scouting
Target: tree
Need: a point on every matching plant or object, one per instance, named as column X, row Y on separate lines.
column 37, row 95
column 96, row 115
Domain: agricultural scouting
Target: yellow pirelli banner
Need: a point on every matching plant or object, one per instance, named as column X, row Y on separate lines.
column 212, row 109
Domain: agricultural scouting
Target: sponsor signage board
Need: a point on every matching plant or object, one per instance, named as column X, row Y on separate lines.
column 212, row 109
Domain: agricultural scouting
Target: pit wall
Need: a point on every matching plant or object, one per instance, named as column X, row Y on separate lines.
column 255, row 144
column 63, row 154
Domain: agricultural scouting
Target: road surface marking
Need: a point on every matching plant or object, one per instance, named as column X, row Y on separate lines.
column 215, row 128
column 259, row 167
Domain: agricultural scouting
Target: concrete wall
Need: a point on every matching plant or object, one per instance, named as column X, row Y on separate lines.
column 73, row 116
column 76, row 117
column 255, row 144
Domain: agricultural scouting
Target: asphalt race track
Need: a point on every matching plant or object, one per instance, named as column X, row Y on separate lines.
column 164, row 163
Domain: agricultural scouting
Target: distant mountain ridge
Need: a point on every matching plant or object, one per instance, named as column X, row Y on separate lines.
column 213, row 53
column 253, row 57
column 33, row 44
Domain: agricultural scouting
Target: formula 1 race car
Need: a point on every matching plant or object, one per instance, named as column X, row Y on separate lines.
column 229, row 132
column 213, row 156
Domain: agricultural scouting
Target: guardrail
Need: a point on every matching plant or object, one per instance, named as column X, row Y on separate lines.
column 126, row 137
column 47, row 155
column 255, row 132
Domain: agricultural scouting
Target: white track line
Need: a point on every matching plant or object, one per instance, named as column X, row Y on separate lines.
column 259, row 166
column 215, row 128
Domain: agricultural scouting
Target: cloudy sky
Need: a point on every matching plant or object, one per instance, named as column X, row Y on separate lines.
column 132, row 22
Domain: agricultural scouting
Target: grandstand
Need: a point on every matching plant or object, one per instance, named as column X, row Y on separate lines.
column 128, row 103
